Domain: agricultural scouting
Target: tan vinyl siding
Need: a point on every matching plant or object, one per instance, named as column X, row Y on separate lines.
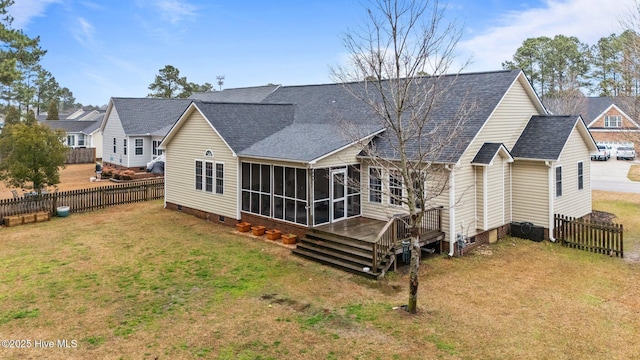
column 507, row 191
column 96, row 142
column 574, row 202
column 384, row 210
column 495, row 196
column 113, row 129
column 530, row 196
column 344, row 157
column 188, row 145
column 504, row 126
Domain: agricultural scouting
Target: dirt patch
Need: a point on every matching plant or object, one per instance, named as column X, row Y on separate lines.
column 603, row 217
column 72, row 177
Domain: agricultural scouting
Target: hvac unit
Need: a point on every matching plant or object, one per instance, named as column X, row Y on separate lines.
column 526, row 230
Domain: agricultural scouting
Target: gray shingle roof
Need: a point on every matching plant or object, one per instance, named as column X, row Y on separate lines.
column 73, row 126
column 141, row 116
column 487, row 153
column 544, row 137
column 242, row 125
column 303, row 142
column 478, row 92
column 244, row 95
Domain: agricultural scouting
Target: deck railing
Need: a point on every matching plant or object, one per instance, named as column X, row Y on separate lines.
column 398, row 229
column 84, row 199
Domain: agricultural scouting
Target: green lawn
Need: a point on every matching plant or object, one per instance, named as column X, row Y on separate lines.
column 141, row 282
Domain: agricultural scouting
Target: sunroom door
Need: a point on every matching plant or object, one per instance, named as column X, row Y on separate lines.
column 338, row 194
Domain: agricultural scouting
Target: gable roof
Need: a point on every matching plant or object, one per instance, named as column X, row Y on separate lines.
column 242, row 125
column 544, row 137
column 488, row 152
column 245, row 95
column 599, row 106
column 74, row 126
column 146, row 116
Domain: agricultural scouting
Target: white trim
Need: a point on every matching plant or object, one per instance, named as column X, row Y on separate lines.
column 204, row 176
column 578, row 174
column 485, row 201
column 452, row 211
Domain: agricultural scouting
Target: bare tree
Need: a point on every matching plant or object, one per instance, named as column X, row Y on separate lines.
column 402, row 41
column 570, row 102
column 630, row 65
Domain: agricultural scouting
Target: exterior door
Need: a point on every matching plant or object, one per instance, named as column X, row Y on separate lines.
column 338, row 192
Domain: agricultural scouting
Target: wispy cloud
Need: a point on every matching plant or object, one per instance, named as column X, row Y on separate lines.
column 588, row 20
column 83, row 32
column 174, row 11
column 25, row 10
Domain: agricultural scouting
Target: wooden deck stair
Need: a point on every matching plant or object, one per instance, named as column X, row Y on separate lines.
column 339, row 251
column 358, row 243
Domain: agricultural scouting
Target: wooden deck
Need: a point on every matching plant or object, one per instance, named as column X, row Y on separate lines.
column 360, row 228
column 366, row 229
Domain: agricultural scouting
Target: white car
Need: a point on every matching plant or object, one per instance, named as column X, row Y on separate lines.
column 626, row 153
column 604, row 153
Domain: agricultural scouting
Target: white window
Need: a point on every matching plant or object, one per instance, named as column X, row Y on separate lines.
column 395, row 188
column 558, row 181
column 81, row 140
column 71, row 140
column 139, row 143
column 156, row 151
column 580, row 176
column 115, row 150
column 124, row 144
column 219, row 178
column 205, row 174
column 613, row 121
column 198, row 175
column 375, row 185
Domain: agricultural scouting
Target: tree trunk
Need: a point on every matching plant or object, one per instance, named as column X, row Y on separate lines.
column 414, row 267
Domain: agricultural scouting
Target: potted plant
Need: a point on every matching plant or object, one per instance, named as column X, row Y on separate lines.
column 243, row 226
column 289, row 239
column 273, row 234
column 258, row 230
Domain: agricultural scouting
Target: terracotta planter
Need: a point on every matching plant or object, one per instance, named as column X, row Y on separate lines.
column 258, row 230
column 273, row 234
column 289, row 239
column 243, row 226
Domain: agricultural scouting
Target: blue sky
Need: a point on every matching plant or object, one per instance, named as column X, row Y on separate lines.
column 99, row 49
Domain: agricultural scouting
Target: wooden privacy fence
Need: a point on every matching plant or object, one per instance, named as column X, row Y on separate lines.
column 84, row 199
column 81, row 156
column 600, row 238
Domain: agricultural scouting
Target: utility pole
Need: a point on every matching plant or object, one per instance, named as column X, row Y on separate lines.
column 220, row 81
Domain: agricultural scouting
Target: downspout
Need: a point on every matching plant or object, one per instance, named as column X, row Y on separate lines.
column 551, row 198
column 452, row 210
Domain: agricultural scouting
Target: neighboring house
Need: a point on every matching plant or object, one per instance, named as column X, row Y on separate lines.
column 282, row 161
column 611, row 120
column 80, row 134
column 133, row 128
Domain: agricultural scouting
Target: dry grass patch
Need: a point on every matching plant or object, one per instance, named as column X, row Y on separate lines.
column 634, row 173
column 141, row 282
